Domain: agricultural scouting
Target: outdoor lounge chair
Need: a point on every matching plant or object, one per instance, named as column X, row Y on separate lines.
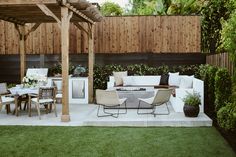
column 109, row 99
column 161, row 97
column 45, row 97
column 5, row 98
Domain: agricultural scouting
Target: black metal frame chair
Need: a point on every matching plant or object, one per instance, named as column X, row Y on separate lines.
column 109, row 100
column 161, row 97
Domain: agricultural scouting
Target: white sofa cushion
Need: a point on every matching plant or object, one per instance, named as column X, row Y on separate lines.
column 119, row 77
column 174, row 79
column 146, row 80
column 186, row 82
column 128, row 81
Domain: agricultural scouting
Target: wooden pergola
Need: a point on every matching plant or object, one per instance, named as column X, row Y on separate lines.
column 22, row 12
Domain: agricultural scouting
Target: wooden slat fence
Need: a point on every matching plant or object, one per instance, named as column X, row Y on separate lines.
column 126, row 34
column 221, row 60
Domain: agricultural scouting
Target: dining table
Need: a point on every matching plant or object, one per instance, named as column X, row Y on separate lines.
column 21, row 94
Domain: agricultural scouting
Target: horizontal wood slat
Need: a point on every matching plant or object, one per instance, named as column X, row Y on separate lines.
column 221, row 60
column 126, row 34
column 10, row 64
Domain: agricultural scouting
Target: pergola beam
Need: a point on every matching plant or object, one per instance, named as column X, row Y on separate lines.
column 36, row 25
column 78, row 13
column 48, row 12
column 12, row 20
column 79, row 26
column 26, row 2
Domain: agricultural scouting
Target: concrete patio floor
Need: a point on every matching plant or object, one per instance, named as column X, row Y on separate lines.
column 86, row 115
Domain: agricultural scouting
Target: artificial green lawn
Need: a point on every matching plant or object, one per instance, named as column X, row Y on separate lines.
column 109, row 142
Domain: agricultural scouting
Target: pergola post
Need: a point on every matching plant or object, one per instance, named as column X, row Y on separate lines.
column 65, row 23
column 22, row 35
column 90, row 62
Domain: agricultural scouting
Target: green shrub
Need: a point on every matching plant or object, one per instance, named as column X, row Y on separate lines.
column 57, row 69
column 164, row 69
column 207, row 74
column 138, row 69
column 223, row 88
column 226, row 116
column 211, row 90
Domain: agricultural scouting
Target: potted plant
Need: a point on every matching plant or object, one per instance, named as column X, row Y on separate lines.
column 79, row 71
column 191, row 104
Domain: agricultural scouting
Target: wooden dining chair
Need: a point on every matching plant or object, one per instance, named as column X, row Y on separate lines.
column 5, row 98
column 45, row 97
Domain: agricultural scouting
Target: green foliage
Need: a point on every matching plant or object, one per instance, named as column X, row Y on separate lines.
column 211, row 88
column 165, row 7
column 207, row 74
column 11, row 85
column 57, row 70
column 228, row 37
column 226, row 116
column 139, row 69
column 192, row 99
column 223, row 88
column 183, row 7
column 111, row 9
column 212, row 14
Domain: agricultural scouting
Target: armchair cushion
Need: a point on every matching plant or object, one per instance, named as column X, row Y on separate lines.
column 118, row 76
column 6, row 99
column 128, row 81
column 164, row 79
column 174, row 79
column 186, row 82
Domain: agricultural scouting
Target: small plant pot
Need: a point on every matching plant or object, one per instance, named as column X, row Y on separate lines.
column 191, row 111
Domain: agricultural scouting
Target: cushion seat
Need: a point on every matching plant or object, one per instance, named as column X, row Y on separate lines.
column 41, row 101
column 58, row 96
column 7, row 99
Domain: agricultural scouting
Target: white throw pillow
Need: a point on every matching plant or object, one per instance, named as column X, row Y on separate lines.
column 174, row 79
column 128, row 81
column 146, row 80
column 186, row 82
column 118, row 76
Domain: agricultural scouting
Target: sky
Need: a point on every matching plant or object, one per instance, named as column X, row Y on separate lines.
column 122, row 3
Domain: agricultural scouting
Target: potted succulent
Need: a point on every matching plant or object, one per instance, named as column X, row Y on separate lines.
column 191, row 104
column 79, row 71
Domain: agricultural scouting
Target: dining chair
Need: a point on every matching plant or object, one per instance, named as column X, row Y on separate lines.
column 45, row 97
column 109, row 99
column 58, row 85
column 5, row 98
column 161, row 97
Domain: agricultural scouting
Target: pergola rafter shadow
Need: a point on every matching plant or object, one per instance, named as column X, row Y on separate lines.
column 21, row 12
